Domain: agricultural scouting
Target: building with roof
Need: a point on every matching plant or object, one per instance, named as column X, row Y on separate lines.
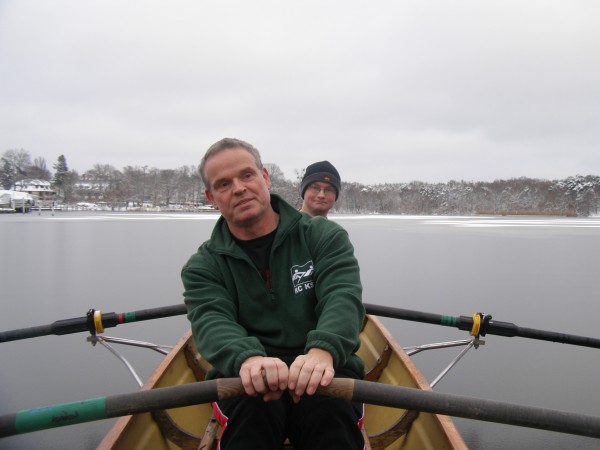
column 40, row 190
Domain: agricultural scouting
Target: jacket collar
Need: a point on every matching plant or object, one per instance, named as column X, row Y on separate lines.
column 221, row 238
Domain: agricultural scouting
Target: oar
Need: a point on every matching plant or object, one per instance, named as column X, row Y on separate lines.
column 94, row 322
column 119, row 405
column 355, row 390
column 480, row 324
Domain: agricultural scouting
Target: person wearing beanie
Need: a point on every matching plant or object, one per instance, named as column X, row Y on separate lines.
column 320, row 188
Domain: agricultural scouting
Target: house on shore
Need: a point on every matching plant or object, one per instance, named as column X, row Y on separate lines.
column 15, row 201
column 41, row 191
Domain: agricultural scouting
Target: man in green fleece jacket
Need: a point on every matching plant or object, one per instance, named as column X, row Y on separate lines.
column 274, row 297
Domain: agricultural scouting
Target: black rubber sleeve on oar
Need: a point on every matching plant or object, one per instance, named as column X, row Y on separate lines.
column 81, row 324
column 466, row 407
column 511, row 330
column 495, row 327
column 462, row 323
column 60, row 327
column 488, row 326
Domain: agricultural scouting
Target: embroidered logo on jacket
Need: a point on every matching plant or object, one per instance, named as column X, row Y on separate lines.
column 302, row 277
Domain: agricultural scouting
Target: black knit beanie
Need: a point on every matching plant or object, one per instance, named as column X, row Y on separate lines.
column 324, row 172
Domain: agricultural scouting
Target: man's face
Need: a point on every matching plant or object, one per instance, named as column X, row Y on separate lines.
column 319, row 198
column 238, row 188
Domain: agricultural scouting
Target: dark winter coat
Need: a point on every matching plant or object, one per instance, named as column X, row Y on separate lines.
column 313, row 299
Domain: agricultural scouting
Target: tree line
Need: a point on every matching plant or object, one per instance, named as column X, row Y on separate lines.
column 577, row 195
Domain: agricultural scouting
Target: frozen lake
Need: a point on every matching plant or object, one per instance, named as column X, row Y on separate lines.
column 535, row 272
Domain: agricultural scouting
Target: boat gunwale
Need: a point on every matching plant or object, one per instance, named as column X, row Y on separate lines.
column 123, row 423
column 444, row 423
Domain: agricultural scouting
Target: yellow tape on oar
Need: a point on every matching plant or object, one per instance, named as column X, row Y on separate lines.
column 98, row 322
column 476, row 325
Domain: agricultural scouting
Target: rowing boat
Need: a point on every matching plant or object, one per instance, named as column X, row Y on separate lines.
column 193, row 427
column 392, row 381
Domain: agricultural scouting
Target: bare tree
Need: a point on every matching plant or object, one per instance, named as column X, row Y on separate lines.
column 39, row 170
column 15, row 163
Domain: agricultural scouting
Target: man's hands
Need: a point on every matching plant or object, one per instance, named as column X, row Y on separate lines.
column 271, row 376
column 310, row 371
column 264, row 375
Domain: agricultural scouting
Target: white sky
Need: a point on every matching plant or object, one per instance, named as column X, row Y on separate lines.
column 388, row 91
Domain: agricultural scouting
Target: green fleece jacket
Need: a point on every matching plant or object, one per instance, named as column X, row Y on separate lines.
column 313, row 299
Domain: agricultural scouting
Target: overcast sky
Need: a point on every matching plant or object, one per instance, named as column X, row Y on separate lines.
column 388, row 91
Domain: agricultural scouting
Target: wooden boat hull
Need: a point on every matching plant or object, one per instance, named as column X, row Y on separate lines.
column 387, row 428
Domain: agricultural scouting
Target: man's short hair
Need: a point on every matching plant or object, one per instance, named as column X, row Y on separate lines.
column 227, row 144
